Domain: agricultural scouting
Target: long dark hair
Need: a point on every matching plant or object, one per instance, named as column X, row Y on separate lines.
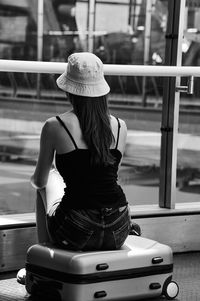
column 93, row 115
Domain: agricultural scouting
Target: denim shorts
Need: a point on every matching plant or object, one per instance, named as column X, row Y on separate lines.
column 89, row 229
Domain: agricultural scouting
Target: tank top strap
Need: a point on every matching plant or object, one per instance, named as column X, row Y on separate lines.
column 118, row 132
column 68, row 132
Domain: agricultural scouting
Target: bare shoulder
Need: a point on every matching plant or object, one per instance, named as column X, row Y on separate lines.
column 50, row 123
column 50, row 127
column 123, row 132
column 69, row 118
column 123, row 124
column 51, row 120
column 121, row 121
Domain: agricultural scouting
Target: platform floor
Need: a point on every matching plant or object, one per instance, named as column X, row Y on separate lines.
column 186, row 274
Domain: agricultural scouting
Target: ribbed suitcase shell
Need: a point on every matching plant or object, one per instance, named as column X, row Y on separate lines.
column 140, row 269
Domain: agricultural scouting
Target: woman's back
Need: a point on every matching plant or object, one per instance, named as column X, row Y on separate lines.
column 87, row 185
column 63, row 143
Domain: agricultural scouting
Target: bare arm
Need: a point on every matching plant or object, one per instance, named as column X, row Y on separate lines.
column 123, row 136
column 45, row 159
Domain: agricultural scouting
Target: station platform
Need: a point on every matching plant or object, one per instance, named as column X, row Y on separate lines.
column 186, row 274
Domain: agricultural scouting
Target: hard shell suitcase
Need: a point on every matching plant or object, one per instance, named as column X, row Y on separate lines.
column 142, row 268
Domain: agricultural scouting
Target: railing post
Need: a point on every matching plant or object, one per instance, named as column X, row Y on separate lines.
column 40, row 15
column 170, row 112
column 91, row 24
column 147, row 36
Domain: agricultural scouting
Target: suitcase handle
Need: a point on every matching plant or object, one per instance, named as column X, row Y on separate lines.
column 100, row 294
column 102, row 266
column 156, row 260
column 155, row 286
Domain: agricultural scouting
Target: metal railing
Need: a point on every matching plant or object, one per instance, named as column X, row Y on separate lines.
column 109, row 69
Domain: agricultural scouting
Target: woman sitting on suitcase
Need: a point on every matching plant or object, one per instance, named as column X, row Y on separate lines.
column 88, row 144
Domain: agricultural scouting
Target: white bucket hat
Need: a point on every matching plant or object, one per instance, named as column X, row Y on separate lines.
column 84, row 76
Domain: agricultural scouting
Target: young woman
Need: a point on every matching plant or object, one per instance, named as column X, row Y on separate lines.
column 88, row 144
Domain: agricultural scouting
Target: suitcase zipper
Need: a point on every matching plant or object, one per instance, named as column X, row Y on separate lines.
column 101, row 276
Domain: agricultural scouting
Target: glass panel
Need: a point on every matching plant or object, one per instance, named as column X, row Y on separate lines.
column 16, row 138
column 188, row 167
column 137, row 100
column 27, row 100
column 139, row 172
column 22, row 114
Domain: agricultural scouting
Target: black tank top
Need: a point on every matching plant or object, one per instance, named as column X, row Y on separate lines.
column 89, row 187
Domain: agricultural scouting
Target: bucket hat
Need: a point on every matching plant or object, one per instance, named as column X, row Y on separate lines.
column 84, row 76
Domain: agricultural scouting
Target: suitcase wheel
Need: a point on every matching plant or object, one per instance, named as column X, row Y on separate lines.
column 171, row 290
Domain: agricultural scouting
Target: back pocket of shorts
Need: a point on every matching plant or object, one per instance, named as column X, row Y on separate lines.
column 76, row 232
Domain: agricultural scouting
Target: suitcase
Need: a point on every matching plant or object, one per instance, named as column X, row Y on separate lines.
column 141, row 269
